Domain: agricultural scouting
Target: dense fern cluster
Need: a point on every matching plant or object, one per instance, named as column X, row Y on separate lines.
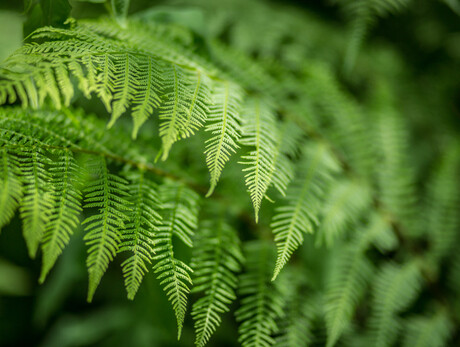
column 350, row 236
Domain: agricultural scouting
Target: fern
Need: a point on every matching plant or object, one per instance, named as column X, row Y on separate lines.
column 139, row 235
column 225, row 122
column 179, row 219
column 11, row 187
column 66, row 179
column 261, row 305
column 38, row 200
column 259, row 131
column 305, row 198
column 428, row 331
column 215, row 267
column 346, row 160
column 107, row 193
column 395, row 288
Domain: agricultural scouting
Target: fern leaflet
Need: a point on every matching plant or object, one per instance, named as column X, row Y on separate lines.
column 217, row 258
column 107, row 193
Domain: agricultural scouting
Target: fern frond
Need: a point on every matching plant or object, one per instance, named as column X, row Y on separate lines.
column 224, row 122
column 346, row 202
column 180, row 210
column 434, row 331
column 442, row 210
column 350, row 273
column 38, row 200
column 138, row 235
column 108, row 194
column 216, row 261
column 261, row 303
column 304, row 199
column 301, row 309
column 64, row 217
column 395, row 288
column 11, row 187
column 186, row 106
column 286, row 146
column 260, row 131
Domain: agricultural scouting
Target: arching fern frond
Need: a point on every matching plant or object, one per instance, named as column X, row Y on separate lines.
column 139, row 233
column 395, row 288
column 64, row 219
column 261, row 303
column 224, row 125
column 108, row 194
column 260, row 132
column 216, row 261
column 180, row 211
column 304, row 199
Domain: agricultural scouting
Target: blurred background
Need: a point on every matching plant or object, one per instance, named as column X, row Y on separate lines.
column 418, row 46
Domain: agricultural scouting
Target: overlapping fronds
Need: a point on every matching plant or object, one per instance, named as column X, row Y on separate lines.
column 261, row 303
column 107, row 193
column 38, row 198
column 64, row 218
column 395, row 288
column 217, row 260
column 138, row 237
column 304, row 200
column 180, row 213
column 128, row 70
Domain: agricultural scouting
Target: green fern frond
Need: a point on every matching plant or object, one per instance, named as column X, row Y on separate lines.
column 261, row 303
column 186, row 106
column 260, row 131
column 216, row 261
column 346, row 202
column 442, row 210
column 224, row 122
column 180, row 211
column 350, row 274
column 304, row 199
column 395, row 177
column 395, row 288
column 138, row 236
column 434, row 331
column 286, row 146
column 64, row 217
column 38, row 201
column 11, row 187
column 108, row 194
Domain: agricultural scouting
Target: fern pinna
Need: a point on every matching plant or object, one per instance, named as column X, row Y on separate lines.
column 351, row 235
